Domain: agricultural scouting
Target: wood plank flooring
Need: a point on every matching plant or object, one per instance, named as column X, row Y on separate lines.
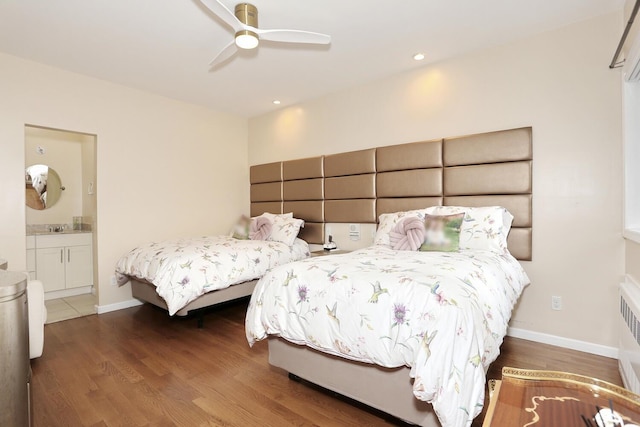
column 138, row 367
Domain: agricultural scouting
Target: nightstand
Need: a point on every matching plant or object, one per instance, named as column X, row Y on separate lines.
column 325, row 253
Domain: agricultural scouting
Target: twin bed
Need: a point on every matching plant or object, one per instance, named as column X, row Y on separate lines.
column 186, row 275
column 392, row 329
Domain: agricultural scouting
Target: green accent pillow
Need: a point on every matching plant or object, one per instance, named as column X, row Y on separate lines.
column 240, row 231
column 442, row 232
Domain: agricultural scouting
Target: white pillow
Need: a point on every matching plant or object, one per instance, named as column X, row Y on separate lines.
column 389, row 220
column 483, row 228
column 285, row 229
column 272, row 216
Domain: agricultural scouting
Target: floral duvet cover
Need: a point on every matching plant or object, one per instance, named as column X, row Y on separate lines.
column 184, row 269
column 444, row 315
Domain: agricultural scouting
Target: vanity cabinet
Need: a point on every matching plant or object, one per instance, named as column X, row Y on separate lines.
column 64, row 261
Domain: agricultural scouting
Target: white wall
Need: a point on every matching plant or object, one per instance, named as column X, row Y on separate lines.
column 165, row 168
column 632, row 259
column 559, row 83
column 89, row 183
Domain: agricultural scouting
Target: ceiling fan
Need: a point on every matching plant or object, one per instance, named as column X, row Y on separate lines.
column 245, row 23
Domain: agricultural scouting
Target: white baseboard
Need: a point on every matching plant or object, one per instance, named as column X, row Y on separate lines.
column 587, row 347
column 118, row 306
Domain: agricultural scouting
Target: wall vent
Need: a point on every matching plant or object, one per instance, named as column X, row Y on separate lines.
column 630, row 319
column 629, row 330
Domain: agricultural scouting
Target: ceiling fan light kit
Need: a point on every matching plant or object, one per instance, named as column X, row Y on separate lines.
column 246, row 39
column 244, row 22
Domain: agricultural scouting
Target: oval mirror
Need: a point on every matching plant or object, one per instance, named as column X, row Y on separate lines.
column 43, row 187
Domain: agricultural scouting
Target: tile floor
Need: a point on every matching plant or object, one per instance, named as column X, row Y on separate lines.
column 70, row 307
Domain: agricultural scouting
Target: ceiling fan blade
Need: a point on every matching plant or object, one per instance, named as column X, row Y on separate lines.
column 223, row 13
column 293, row 36
column 226, row 53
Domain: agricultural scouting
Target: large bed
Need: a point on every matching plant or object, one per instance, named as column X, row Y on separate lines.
column 474, row 171
column 442, row 314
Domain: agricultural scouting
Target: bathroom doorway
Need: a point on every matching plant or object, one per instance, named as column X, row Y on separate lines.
column 61, row 219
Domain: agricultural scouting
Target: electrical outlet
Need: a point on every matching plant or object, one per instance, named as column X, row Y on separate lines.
column 354, row 232
column 556, row 303
column 113, row 281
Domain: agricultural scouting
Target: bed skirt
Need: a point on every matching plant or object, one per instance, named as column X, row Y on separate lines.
column 145, row 291
column 385, row 389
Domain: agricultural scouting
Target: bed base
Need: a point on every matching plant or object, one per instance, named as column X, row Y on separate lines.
column 145, row 291
column 387, row 390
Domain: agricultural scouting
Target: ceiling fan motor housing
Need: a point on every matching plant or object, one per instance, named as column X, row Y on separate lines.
column 248, row 15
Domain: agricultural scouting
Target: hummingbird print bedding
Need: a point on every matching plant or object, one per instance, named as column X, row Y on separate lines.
column 443, row 314
column 184, row 269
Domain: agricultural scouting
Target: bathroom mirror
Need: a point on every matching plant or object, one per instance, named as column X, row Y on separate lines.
column 43, row 187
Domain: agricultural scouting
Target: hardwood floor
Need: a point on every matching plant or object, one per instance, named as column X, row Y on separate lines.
column 138, row 367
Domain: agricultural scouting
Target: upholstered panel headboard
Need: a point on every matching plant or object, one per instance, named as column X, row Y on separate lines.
column 487, row 169
column 303, row 194
column 293, row 186
column 350, row 189
column 409, row 176
column 490, row 169
column 266, row 188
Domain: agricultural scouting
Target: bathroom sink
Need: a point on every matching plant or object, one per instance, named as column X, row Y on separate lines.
column 50, row 230
column 49, row 233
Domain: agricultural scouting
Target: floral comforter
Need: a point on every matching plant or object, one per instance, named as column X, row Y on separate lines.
column 184, row 269
column 442, row 314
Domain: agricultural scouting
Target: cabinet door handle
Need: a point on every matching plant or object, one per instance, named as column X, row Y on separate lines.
column 61, row 256
column 68, row 255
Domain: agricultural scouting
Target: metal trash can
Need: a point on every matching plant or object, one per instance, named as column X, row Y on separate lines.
column 15, row 369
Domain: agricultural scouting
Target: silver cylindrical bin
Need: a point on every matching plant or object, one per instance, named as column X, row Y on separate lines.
column 14, row 350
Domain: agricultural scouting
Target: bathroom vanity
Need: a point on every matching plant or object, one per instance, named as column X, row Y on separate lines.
column 63, row 262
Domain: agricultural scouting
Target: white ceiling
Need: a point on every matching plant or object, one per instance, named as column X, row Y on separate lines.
column 164, row 46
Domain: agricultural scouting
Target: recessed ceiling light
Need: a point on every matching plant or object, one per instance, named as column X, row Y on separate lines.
column 276, row 102
column 418, row 56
